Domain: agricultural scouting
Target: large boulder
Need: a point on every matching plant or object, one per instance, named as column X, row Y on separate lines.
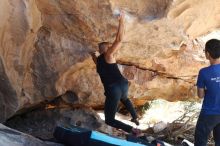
column 196, row 16
column 45, row 45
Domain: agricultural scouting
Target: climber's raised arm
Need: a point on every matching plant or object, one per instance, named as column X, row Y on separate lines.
column 116, row 44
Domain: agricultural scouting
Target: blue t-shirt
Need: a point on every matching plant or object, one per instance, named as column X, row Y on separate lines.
column 209, row 79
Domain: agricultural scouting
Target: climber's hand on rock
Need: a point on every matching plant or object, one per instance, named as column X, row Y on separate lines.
column 121, row 16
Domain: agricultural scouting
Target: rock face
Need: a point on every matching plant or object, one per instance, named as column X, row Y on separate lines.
column 193, row 16
column 45, row 45
column 9, row 137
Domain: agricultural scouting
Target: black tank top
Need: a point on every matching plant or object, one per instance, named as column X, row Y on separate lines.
column 109, row 73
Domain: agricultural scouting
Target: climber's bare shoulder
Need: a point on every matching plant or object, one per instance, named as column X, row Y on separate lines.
column 110, row 58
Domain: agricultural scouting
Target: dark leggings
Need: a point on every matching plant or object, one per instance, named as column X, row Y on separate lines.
column 204, row 126
column 115, row 93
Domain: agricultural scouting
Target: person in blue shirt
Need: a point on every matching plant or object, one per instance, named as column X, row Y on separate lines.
column 208, row 87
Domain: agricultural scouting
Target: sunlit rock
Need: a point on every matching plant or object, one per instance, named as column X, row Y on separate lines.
column 45, row 45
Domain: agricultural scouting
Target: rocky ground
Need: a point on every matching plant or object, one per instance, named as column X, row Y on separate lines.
column 168, row 121
column 11, row 137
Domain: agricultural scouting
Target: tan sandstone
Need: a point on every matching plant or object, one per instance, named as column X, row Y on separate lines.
column 45, row 45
